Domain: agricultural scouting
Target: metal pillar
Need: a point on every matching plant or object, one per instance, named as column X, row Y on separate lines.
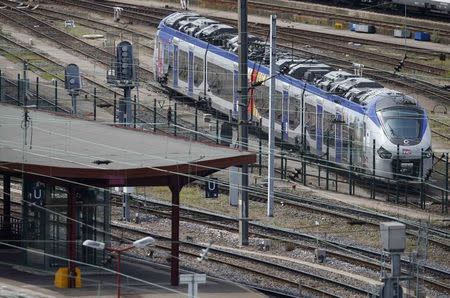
column 25, row 83
column 114, row 109
column 134, row 111
column 260, row 147
column 7, row 203
column 446, row 183
column 1, row 85
column 271, row 162
column 37, row 93
column 95, row 103
column 217, row 126
column 127, row 98
column 19, row 90
column 175, row 187
column 126, row 207
column 196, row 122
column 72, row 235
column 243, row 83
column 175, row 119
column 154, row 114
column 373, row 169
column 56, row 96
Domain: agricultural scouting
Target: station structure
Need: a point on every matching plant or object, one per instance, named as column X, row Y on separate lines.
column 65, row 166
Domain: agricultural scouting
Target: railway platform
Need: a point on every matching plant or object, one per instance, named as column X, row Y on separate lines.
column 26, row 282
column 57, row 172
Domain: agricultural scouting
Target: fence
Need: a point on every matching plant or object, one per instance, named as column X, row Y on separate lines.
column 357, row 166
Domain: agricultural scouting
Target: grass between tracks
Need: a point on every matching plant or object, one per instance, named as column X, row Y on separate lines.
column 297, row 219
column 286, row 217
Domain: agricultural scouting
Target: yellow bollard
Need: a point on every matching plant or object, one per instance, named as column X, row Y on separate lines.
column 62, row 278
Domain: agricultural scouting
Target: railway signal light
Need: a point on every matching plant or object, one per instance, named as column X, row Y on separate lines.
column 72, row 78
column 124, row 62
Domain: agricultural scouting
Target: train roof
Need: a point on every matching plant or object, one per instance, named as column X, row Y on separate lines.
column 394, row 99
column 305, row 69
column 173, row 19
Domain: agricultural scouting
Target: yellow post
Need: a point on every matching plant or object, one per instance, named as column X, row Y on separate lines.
column 62, row 278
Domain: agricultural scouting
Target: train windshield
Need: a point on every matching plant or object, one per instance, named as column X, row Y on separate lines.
column 402, row 123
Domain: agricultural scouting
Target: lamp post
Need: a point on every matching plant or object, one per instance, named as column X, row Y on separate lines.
column 141, row 243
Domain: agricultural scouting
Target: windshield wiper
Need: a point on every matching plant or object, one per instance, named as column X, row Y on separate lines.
column 392, row 130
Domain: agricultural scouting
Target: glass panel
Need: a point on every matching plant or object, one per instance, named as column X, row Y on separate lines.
column 294, row 112
column 402, row 123
column 329, row 129
column 310, row 117
column 220, row 81
column 198, row 71
column 183, row 65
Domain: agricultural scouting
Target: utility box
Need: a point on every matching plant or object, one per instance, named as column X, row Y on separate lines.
column 393, row 238
column 422, row 36
column 402, row 33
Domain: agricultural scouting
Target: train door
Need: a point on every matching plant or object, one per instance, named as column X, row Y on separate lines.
column 339, row 121
column 158, row 58
column 191, row 71
column 367, row 146
column 285, row 113
column 319, row 129
column 235, row 111
column 175, row 63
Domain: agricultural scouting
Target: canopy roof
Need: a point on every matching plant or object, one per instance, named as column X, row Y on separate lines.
column 67, row 148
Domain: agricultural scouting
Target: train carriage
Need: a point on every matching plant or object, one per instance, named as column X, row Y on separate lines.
column 348, row 123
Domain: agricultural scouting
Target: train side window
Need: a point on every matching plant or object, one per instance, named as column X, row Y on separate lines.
column 329, row 127
column 166, row 56
column 345, row 141
column 294, row 112
column 262, row 100
column 220, row 81
column 183, row 65
column 278, row 106
column 310, row 117
column 198, row 71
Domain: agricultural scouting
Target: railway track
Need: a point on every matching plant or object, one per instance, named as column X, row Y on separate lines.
column 138, row 13
column 349, row 253
column 94, row 24
column 41, row 65
column 314, row 283
column 149, row 112
column 43, row 29
column 332, row 16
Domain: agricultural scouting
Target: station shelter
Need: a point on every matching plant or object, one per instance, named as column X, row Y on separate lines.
column 58, row 171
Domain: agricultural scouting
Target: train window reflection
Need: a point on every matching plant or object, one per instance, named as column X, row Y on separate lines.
column 198, row 71
column 402, row 123
column 310, row 120
column 183, row 74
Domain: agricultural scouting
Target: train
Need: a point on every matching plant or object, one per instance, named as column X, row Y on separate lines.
column 353, row 120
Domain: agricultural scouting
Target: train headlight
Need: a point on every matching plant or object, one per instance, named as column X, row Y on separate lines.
column 383, row 153
column 428, row 153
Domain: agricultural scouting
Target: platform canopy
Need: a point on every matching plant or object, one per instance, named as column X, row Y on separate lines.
column 66, row 148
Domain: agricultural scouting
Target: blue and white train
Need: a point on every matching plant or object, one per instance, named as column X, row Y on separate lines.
column 326, row 110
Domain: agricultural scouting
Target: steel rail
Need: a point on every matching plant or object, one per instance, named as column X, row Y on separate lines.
column 256, row 260
column 280, row 8
column 374, row 256
column 87, row 22
column 48, row 31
